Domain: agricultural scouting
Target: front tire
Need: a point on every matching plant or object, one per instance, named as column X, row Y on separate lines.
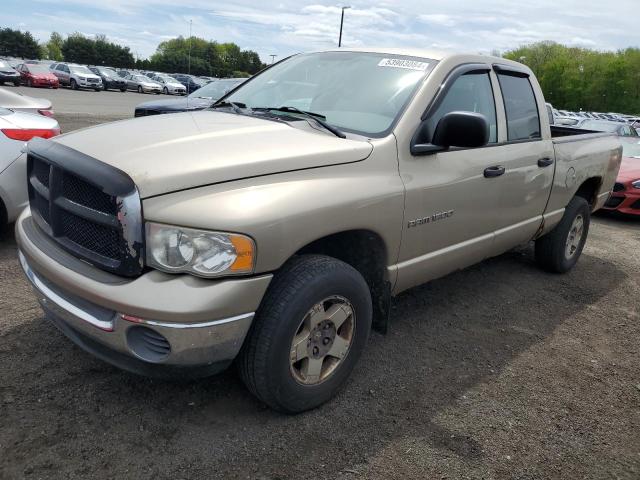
column 310, row 331
column 559, row 250
column 29, row 83
column 139, row 89
column 74, row 85
column 165, row 90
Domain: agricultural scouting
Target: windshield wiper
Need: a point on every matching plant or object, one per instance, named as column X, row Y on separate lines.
column 316, row 117
column 236, row 106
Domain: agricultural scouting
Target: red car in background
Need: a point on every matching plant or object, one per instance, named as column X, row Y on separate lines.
column 37, row 75
column 626, row 191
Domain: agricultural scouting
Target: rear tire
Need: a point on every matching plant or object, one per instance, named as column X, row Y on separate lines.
column 559, row 250
column 29, row 83
column 323, row 306
column 16, row 84
column 123, row 90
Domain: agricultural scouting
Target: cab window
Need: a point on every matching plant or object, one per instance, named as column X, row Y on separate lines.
column 523, row 120
column 470, row 92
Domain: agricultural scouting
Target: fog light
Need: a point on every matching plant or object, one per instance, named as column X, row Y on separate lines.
column 148, row 344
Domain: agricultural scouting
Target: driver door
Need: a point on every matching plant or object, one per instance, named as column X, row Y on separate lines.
column 451, row 203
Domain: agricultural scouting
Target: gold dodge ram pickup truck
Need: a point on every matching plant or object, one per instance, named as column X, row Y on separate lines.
column 274, row 228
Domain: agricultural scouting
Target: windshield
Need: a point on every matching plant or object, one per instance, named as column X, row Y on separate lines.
column 631, row 149
column 141, row 78
column 216, row 89
column 167, row 79
column 358, row 92
column 107, row 72
column 80, row 69
column 38, row 69
column 600, row 126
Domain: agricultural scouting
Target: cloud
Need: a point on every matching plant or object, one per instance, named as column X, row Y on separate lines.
column 283, row 27
column 438, row 19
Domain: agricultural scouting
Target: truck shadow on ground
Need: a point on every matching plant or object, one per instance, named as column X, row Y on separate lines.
column 68, row 413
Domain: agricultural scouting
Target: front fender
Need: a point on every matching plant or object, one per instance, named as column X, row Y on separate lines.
column 284, row 212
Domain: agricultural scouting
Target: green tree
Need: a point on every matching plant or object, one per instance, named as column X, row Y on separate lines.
column 14, row 43
column 577, row 78
column 202, row 57
column 54, row 47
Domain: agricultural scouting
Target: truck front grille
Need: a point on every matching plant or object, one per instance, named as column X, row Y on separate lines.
column 100, row 223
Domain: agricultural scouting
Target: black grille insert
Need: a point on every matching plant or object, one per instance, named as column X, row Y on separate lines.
column 102, row 240
column 613, row 202
column 82, row 217
column 618, row 187
column 82, row 193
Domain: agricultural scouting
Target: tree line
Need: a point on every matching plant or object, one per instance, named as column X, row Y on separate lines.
column 578, row 78
column 179, row 55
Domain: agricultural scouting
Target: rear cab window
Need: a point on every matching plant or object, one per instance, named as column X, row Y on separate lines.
column 521, row 108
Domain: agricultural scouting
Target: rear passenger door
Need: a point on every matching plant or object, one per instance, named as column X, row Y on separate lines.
column 527, row 156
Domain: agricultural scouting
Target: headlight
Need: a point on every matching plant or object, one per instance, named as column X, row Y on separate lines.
column 636, row 183
column 198, row 252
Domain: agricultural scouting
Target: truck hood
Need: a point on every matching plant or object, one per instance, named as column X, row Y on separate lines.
column 166, row 153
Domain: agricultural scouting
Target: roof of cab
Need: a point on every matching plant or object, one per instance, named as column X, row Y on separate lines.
column 436, row 55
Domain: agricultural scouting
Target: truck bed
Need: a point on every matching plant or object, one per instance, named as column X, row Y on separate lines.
column 558, row 131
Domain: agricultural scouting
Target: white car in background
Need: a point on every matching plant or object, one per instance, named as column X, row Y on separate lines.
column 77, row 76
column 170, row 86
column 142, row 84
column 16, row 129
column 24, row 103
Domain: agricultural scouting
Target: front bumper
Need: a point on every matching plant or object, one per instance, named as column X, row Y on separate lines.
column 88, row 84
column 627, row 202
column 154, row 325
column 117, row 85
column 6, row 77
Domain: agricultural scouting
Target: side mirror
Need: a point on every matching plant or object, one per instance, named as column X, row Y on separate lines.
column 456, row 129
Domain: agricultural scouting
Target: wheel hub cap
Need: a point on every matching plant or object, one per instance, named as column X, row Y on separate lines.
column 575, row 237
column 322, row 340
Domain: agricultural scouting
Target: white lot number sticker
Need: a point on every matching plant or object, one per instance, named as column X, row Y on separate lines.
column 400, row 63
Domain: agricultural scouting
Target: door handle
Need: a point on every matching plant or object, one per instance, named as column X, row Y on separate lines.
column 494, row 171
column 545, row 162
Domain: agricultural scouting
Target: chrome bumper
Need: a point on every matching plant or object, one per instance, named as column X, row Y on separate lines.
column 133, row 343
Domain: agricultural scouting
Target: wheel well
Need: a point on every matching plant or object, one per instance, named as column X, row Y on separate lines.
column 4, row 217
column 365, row 251
column 589, row 189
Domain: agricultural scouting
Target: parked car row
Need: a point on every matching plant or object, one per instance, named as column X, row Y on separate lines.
column 576, row 119
column 42, row 73
column 198, row 100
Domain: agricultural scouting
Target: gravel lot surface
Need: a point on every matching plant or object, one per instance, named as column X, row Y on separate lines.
column 498, row 371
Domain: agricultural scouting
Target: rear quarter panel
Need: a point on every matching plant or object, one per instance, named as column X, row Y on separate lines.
column 579, row 158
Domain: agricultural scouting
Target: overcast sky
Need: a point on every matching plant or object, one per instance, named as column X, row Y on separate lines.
column 283, row 27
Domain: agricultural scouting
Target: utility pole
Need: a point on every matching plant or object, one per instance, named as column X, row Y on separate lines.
column 341, row 23
column 273, row 58
column 189, row 65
